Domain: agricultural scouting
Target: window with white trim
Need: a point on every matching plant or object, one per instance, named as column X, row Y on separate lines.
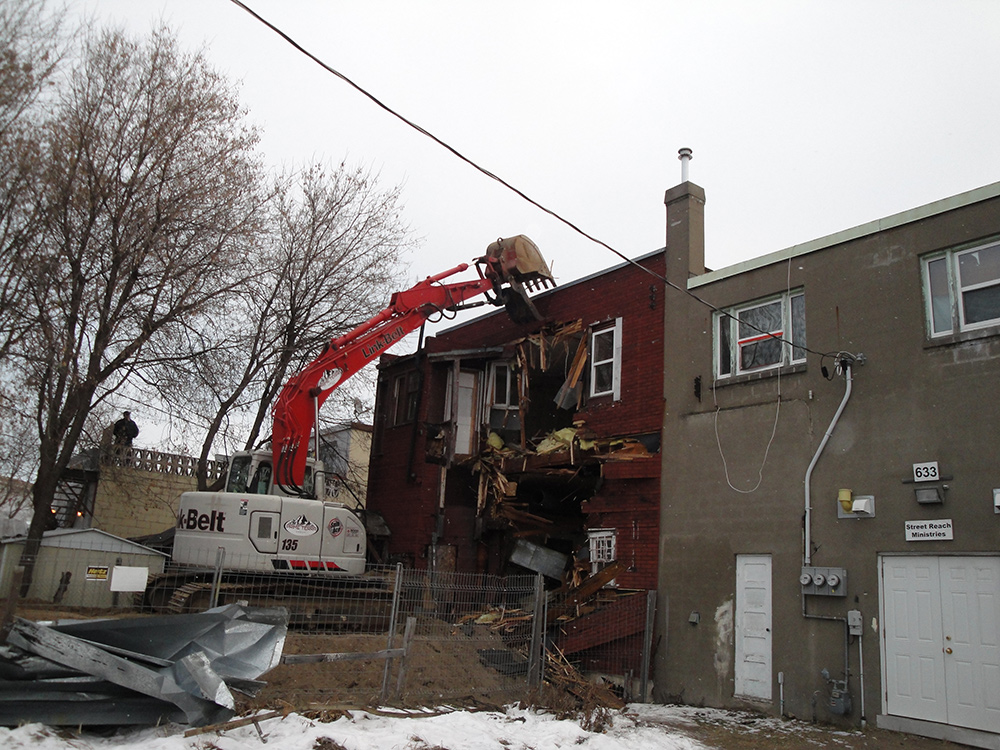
column 962, row 289
column 503, row 390
column 761, row 335
column 603, row 550
column 504, row 397
column 606, row 360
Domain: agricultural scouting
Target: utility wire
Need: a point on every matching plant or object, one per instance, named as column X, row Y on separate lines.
column 558, row 217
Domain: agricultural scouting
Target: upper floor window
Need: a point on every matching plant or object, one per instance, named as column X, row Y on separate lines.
column 504, row 391
column 762, row 335
column 504, row 397
column 606, row 360
column 962, row 289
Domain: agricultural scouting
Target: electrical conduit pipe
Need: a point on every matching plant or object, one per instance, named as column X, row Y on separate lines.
column 807, row 545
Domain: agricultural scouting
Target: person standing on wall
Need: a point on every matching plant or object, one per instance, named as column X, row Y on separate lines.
column 125, row 430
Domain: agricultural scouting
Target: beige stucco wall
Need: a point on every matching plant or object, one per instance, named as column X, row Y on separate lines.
column 140, row 495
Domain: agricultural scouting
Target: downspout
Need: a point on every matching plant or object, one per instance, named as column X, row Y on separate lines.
column 807, row 546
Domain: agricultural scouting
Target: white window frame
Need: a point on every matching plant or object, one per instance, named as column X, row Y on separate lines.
column 603, row 546
column 503, row 401
column 945, row 312
column 728, row 353
column 614, row 361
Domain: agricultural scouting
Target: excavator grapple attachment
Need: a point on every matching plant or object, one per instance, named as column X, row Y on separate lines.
column 514, row 264
column 517, row 258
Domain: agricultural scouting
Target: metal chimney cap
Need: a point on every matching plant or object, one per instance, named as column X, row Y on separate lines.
column 685, row 155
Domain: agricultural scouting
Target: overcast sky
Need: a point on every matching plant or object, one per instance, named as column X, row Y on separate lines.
column 805, row 117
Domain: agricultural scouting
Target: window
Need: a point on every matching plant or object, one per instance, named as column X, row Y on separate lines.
column 762, row 335
column 606, row 361
column 406, row 388
column 504, row 389
column 962, row 289
column 504, row 397
column 602, row 548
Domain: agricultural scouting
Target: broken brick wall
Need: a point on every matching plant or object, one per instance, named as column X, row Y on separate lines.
column 405, row 485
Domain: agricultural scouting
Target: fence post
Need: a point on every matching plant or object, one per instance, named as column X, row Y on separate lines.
column 220, row 560
column 411, row 626
column 647, row 645
column 536, row 659
column 393, row 613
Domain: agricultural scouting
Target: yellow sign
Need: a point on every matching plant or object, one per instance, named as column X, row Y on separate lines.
column 97, row 572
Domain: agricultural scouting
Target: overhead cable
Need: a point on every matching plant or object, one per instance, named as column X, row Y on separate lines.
column 455, row 152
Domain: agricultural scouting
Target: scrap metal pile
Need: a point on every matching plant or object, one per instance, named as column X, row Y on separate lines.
column 179, row 668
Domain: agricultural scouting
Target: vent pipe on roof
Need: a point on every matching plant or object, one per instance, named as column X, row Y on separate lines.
column 685, row 155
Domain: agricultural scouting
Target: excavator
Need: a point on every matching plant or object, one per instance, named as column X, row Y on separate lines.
column 272, row 516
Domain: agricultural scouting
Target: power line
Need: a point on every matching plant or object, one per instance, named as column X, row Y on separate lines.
column 558, row 217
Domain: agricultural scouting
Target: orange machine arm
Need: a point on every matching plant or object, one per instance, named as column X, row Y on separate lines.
column 295, row 410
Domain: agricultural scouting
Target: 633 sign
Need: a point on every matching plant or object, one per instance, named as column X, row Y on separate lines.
column 926, row 472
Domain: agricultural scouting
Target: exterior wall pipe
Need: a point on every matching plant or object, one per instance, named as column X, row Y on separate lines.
column 861, row 679
column 807, row 544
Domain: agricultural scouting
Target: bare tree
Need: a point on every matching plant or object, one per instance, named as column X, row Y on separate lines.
column 151, row 199
column 31, row 46
column 329, row 261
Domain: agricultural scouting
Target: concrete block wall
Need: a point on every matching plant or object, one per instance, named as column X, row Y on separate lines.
column 139, row 491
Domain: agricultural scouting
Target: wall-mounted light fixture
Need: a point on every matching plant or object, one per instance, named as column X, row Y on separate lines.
column 930, row 495
column 694, row 618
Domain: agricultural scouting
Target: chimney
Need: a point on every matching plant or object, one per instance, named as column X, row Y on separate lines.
column 685, row 226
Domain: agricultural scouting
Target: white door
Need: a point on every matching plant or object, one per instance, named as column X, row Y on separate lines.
column 970, row 594
column 465, row 424
column 753, row 626
column 914, row 667
column 941, row 620
column 466, row 435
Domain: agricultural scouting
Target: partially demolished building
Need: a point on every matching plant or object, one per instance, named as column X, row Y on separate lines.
column 501, row 446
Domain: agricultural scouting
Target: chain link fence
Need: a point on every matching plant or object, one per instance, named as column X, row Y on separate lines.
column 392, row 636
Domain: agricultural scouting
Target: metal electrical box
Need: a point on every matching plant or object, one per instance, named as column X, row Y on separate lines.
column 824, row 581
column 854, row 624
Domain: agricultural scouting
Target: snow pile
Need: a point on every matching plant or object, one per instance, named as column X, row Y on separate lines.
column 515, row 729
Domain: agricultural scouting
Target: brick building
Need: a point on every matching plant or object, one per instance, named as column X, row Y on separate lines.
column 500, row 447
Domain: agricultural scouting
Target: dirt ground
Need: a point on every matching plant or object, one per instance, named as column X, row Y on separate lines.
column 436, row 672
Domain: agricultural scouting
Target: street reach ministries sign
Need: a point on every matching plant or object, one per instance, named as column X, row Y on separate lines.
column 929, row 531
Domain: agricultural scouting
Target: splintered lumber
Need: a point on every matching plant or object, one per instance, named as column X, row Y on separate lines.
column 237, row 723
column 521, row 516
column 587, row 589
column 559, row 672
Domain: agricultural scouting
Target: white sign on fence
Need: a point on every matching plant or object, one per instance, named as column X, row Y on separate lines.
column 124, row 578
column 929, row 531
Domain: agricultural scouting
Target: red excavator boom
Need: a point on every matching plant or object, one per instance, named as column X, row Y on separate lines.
column 508, row 267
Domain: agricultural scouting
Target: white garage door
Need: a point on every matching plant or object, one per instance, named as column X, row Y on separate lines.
column 941, row 624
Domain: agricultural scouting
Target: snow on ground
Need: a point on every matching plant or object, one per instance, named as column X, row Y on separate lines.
column 640, row 728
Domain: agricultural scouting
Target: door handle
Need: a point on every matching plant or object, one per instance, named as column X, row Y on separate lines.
column 947, row 650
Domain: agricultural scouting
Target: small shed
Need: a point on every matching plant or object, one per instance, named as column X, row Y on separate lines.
column 77, row 567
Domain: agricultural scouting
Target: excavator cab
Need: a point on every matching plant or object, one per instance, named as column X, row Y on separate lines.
column 515, row 265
